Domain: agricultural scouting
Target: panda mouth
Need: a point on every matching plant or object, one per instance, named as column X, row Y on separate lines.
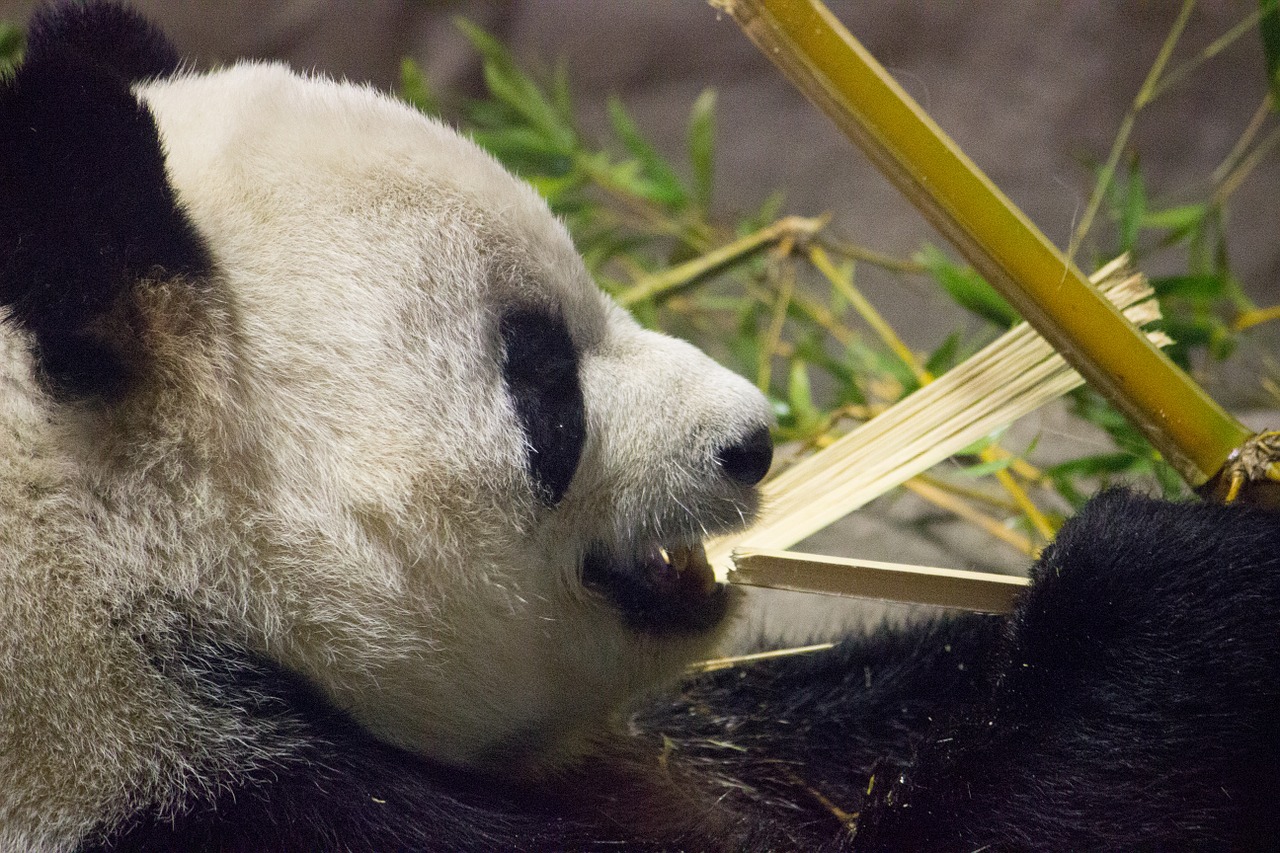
column 657, row 589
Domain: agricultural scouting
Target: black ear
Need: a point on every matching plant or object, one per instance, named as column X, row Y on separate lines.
column 87, row 215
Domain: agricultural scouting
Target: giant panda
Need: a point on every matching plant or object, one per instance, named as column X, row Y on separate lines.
column 340, row 512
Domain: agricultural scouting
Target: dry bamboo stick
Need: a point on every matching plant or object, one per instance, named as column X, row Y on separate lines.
column 715, row 664
column 980, row 592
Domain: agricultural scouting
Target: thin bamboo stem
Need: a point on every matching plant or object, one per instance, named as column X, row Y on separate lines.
column 1028, row 507
column 1146, row 92
column 1241, row 170
column 874, row 258
column 772, row 337
column 1248, row 319
column 1221, row 43
column 716, row 664
column 873, row 318
column 1241, row 147
column 957, row 507
column 679, row 277
column 971, row 494
column 1189, row 429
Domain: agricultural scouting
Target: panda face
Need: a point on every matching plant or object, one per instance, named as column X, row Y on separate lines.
column 469, row 489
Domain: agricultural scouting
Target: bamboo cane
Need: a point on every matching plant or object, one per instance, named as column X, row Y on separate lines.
column 834, row 70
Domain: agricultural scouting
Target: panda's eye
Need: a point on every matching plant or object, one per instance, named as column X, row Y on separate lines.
column 540, row 366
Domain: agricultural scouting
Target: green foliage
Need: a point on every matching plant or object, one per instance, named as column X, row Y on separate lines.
column 1269, row 28
column 12, row 43
column 967, row 287
column 1134, row 460
column 415, row 89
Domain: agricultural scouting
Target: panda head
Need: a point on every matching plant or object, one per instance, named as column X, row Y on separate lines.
column 336, row 387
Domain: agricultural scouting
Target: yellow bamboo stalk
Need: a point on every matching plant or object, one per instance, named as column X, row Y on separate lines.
column 835, row 71
column 1248, row 319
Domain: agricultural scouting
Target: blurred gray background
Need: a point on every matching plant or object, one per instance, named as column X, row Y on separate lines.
column 1032, row 91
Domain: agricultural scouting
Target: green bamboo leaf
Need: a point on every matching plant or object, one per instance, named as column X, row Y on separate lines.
column 629, row 176
column 1269, row 28
column 1178, row 219
column 945, row 356
column 561, row 96
column 414, row 89
column 702, row 143
column 745, row 343
column 800, row 397
column 1097, row 465
column 525, row 151
column 1202, row 288
column 660, row 184
column 558, row 190
column 877, row 362
column 769, row 211
column 1133, row 207
column 983, row 469
column 966, row 287
column 516, row 90
column 781, row 409
column 12, row 44
column 1171, row 485
column 812, row 348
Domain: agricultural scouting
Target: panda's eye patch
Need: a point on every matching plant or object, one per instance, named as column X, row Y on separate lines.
column 540, row 366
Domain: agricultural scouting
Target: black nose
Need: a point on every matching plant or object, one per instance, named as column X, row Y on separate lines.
column 748, row 461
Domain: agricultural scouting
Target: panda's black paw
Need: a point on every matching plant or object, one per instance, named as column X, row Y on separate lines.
column 1135, row 704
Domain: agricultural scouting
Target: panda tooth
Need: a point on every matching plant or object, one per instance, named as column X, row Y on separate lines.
column 688, row 557
column 665, row 555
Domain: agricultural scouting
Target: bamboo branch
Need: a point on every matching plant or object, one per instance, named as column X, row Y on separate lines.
column 1249, row 319
column 679, row 277
column 834, row 70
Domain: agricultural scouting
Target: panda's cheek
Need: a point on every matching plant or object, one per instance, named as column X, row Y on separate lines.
column 540, row 369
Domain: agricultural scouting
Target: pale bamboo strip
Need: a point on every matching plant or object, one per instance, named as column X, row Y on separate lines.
column 977, row 591
column 716, row 664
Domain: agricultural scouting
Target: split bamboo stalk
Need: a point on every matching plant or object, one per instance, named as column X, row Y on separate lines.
column 1010, row 377
column 835, row 71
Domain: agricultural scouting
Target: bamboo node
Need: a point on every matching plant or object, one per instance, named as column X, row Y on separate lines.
column 1250, row 473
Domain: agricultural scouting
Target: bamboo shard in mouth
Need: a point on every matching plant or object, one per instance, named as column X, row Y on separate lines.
column 658, row 589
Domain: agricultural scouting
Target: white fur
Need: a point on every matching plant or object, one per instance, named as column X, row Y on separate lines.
column 327, row 461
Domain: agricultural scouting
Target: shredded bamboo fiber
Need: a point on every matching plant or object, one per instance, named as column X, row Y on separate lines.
column 1011, row 377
